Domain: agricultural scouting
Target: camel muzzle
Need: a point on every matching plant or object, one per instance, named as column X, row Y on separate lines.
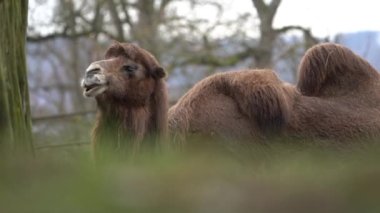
column 94, row 81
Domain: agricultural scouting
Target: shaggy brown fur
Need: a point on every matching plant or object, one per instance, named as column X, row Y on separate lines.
column 333, row 70
column 336, row 98
column 247, row 104
column 134, row 106
column 339, row 97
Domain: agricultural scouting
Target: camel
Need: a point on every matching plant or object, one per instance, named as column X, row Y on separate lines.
column 131, row 97
column 336, row 98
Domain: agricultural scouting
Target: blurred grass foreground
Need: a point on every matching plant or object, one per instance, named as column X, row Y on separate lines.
column 280, row 178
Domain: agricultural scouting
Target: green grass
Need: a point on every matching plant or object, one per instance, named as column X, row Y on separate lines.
column 280, row 178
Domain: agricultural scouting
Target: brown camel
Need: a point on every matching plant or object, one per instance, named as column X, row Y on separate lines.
column 131, row 96
column 336, row 98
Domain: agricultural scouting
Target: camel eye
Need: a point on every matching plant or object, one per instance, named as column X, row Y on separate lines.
column 129, row 68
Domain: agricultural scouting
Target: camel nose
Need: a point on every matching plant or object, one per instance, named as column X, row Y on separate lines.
column 93, row 76
column 92, row 70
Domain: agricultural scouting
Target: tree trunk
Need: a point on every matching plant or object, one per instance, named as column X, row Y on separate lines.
column 15, row 120
column 268, row 35
column 146, row 29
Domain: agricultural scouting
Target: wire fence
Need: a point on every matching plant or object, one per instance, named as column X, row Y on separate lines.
column 63, row 130
column 63, row 116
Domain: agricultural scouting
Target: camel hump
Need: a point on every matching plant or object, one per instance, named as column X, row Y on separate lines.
column 259, row 95
column 268, row 108
column 331, row 70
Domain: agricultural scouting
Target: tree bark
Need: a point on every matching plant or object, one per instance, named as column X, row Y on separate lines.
column 268, row 34
column 145, row 31
column 15, row 119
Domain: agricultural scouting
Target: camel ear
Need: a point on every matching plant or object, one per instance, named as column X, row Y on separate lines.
column 158, row 73
column 116, row 49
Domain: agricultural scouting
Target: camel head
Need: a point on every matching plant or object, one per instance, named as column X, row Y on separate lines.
column 127, row 74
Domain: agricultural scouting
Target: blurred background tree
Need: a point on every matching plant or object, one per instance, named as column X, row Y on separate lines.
column 263, row 53
column 15, row 125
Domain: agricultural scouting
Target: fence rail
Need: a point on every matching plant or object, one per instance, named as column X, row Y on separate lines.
column 62, row 116
column 49, row 146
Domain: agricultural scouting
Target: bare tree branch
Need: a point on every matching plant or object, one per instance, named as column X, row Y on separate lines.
column 307, row 32
column 161, row 10
column 125, row 5
column 273, row 6
column 116, row 19
column 215, row 61
column 58, row 35
column 259, row 5
column 290, row 27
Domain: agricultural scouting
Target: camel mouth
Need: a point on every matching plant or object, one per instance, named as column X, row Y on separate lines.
column 89, row 87
column 93, row 90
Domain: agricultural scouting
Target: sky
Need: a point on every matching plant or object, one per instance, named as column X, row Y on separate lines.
column 324, row 17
